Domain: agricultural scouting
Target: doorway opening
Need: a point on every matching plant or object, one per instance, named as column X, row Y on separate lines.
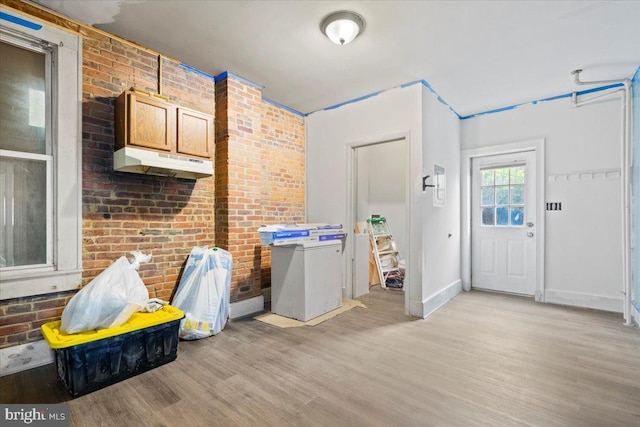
column 378, row 187
column 503, row 226
column 503, row 223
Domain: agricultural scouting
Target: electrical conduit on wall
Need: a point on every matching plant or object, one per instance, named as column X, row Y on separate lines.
column 625, row 164
column 635, row 196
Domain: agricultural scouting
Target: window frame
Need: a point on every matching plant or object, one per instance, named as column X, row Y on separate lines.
column 48, row 156
column 508, row 205
column 64, row 272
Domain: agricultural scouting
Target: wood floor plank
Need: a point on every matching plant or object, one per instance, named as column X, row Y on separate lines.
column 483, row 359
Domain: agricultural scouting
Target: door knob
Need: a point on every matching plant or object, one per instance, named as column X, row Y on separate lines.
column 529, row 224
column 530, row 234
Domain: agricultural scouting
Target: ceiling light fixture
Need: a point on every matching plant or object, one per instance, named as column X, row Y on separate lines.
column 342, row 27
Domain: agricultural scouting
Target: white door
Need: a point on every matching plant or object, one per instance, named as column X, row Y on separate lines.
column 503, row 223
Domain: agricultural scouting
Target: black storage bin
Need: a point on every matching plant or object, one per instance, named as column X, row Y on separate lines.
column 89, row 366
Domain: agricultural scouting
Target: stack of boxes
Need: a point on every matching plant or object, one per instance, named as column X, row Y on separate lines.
column 294, row 234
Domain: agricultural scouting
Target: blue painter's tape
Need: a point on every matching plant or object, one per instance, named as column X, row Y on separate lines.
column 552, row 98
column 405, row 85
column 221, row 76
column 20, row 21
column 284, row 107
column 411, row 83
column 362, row 98
column 428, row 86
column 195, row 70
column 227, row 74
column 440, row 99
column 636, row 76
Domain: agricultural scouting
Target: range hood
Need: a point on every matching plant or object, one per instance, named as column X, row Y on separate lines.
column 149, row 162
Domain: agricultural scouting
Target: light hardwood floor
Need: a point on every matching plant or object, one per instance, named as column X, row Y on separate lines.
column 481, row 360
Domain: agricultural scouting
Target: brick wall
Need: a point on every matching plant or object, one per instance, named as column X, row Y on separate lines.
column 239, row 207
column 282, row 173
column 259, row 178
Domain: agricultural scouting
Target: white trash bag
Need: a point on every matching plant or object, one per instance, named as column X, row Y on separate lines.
column 203, row 293
column 108, row 300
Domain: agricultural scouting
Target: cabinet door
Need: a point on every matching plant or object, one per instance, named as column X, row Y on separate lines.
column 195, row 132
column 151, row 123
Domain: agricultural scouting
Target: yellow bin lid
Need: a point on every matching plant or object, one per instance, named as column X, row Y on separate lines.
column 56, row 339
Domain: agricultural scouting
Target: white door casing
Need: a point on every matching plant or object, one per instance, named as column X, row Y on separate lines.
column 409, row 278
column 503, row 225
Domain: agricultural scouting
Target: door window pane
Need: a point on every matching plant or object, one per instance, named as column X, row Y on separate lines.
column 22, row 100
column 502, row 216
column 502, row 176
column 23, row 194
column 517, row 194
column 517, row 216
column 487, row 177
column 487, row 216
column 487, row 196
column 502, row 196
column 517, row 175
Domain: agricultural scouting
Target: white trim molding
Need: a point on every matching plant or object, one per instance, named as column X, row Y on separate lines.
column 537, row 145
column 25, row 356
column 246, row 307
column 437, row 300
column 579, row 299
column 413, row 277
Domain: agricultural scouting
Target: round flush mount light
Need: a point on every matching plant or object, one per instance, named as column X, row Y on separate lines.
column 342, row 27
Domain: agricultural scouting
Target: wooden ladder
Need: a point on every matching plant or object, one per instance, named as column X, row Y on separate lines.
column 385, row 253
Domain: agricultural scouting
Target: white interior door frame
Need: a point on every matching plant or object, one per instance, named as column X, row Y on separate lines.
column 351, row 208
column 466, row 157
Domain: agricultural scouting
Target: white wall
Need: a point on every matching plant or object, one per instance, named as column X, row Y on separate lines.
column 583, row 240
column 433, row 137
column 441, row 146
column 391, row 114
column 382, row 187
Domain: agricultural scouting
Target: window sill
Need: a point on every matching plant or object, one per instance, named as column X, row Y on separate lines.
column 45, row 282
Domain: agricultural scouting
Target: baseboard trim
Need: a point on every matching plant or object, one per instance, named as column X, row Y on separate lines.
column 579, row 299
column 440, row 298
column 246, row 307
column 25, row 356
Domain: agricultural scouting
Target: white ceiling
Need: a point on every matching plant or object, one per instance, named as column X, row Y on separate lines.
column 477, row 55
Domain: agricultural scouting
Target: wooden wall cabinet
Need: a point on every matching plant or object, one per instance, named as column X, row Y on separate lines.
column 195, row 133
column 145, row 121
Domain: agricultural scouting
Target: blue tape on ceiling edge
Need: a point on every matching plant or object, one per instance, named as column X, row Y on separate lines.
column 227, row 74
column 195, row 70
column 221, row 76
column 411, row 83
column 284, row 107
column 440, row 99
column 20, row 21
column 362, row 98
column 402, row 86
column 552, row 98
